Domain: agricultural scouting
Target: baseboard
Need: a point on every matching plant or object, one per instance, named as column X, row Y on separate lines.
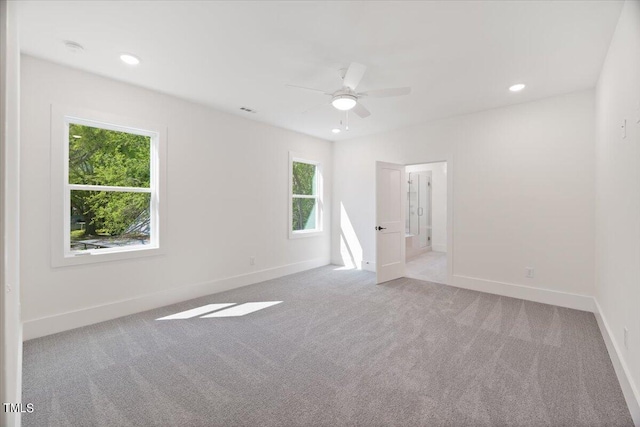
column 439, row 248
column 90, row 315
column 546, row 296
column 629, row 389
column 368, row 266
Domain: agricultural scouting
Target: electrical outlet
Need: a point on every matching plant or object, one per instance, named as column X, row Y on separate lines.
column 626, row 338
column 528, row 272
column 252, row 260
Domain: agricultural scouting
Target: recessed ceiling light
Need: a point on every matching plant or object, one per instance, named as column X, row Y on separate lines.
column 517, row 87
column 129, row 59
column 73, row 47
column 344, row 102
column 335, row 130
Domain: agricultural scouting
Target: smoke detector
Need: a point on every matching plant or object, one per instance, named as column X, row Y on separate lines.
column 73, row 47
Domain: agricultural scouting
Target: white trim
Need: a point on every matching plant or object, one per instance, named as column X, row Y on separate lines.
column 439, row 248
column 542, row 295
column 450, row 225
column 74, row 319
column 304, row 233
column 368, row 266
column 80, row 117
column 10, row 323
column 319, row 197
column 108, row 188
column 629, row 389
column 61, row 117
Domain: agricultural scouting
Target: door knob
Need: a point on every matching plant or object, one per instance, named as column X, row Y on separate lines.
column 380, row 228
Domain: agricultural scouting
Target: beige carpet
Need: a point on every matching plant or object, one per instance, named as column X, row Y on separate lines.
column 337, row 351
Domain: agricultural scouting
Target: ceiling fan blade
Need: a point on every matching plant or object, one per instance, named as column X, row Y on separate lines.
column 361, row 111
column 310, row 88
column 383, row 93
column 354, row 75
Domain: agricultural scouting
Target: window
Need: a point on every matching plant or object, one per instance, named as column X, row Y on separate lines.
column 106, row 199
column 305, row 213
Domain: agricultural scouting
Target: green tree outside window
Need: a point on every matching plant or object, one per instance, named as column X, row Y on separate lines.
column 304, row 183
column 109, row 158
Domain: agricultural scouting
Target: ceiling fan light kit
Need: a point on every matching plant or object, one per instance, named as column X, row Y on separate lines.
column 344, row 102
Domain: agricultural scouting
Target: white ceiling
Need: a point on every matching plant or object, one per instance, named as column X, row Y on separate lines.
column 458, row 56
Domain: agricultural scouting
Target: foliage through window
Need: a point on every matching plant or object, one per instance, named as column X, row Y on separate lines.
column 305, row 200
column 110, row 188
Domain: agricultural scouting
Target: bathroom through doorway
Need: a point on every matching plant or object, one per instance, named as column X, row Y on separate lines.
column 426, row 222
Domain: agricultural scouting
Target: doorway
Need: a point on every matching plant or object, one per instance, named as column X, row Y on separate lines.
column 426, row 222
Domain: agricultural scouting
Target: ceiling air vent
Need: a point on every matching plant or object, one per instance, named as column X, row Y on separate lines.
column 248, row 110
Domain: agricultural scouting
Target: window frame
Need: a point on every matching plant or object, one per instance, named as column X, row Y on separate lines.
column 294, row 234
column 61, row 253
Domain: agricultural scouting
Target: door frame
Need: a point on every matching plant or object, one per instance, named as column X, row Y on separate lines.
column 10, row 323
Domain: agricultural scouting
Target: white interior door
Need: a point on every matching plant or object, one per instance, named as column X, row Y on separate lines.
column 390, row 225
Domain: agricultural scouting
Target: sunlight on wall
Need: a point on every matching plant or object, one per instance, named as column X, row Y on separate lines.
column 350, row 248
column 345, row 255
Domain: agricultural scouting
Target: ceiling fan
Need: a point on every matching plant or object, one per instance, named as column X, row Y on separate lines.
column 346, row 98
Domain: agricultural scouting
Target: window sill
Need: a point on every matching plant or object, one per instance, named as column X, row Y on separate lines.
column 303, row 234
column 97, row 256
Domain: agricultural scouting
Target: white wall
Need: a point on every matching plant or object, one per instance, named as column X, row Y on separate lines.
column 438, row 202
column 522, row 195
column 11, row 328
column 618, row 194
column 218, row 214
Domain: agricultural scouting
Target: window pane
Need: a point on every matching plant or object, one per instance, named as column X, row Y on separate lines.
column 304, row 214
column 105, row 219
column 107, row 157
column 304, row 178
